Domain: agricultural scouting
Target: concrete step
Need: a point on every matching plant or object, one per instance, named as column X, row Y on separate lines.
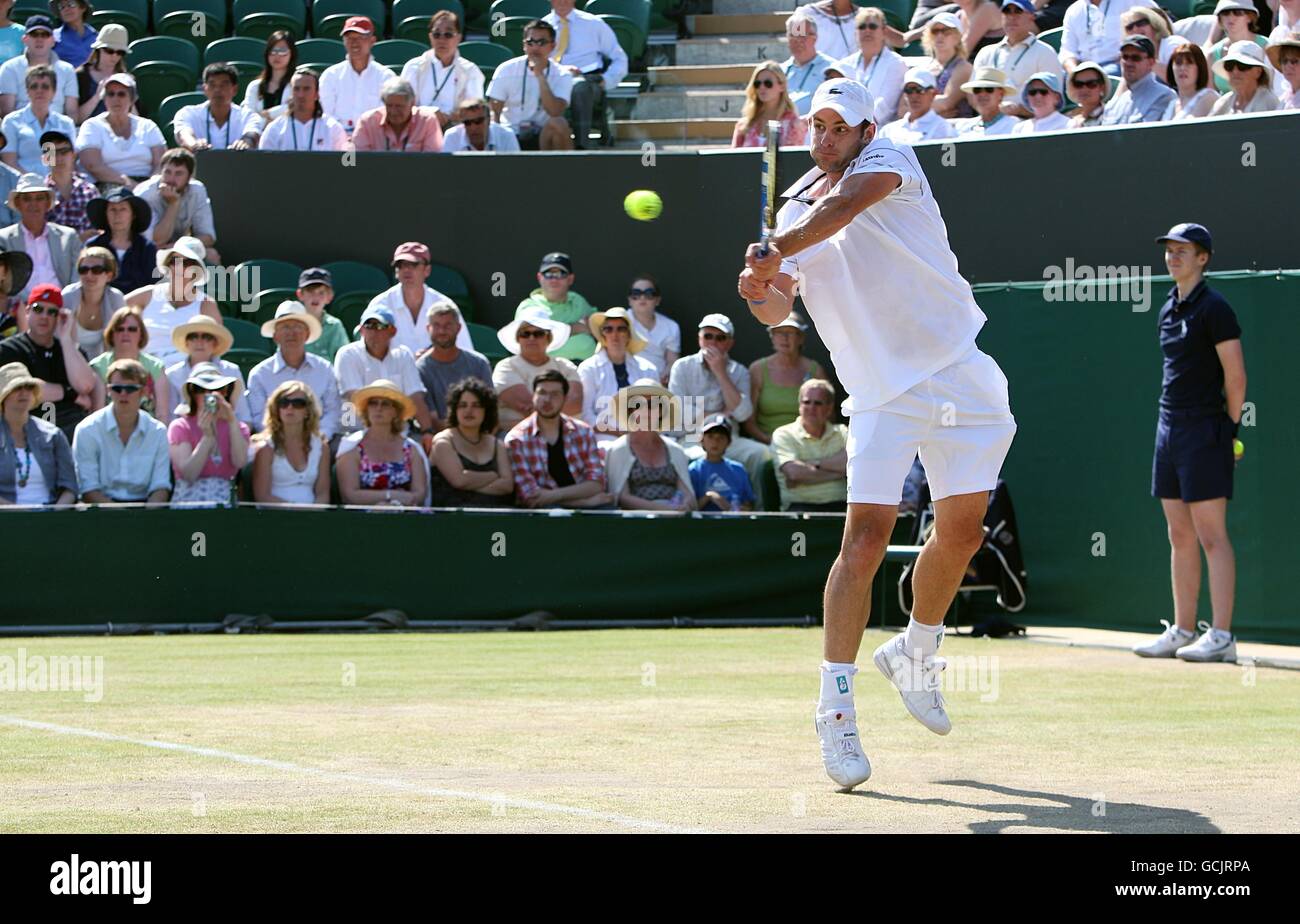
column 738, row 24
column 700, row 131
column 690, row 103
column 731, row 49
column 736, row 7
column 701, row 75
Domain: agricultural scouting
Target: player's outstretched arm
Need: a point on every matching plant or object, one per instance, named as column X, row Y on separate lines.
column 770, row 302
column 832, row 213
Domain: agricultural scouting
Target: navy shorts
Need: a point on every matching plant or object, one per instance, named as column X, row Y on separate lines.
column 1193, row 458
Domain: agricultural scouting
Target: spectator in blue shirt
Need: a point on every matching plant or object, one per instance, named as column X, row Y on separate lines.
column 11, row 34
column 1143, row 99
column 720, row 483
column 73, row 39
column 120, row 451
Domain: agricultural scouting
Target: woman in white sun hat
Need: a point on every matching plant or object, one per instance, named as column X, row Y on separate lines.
column 532, row 336
column 178, row 298
column 1239, row 20
column 1089, row 88
column 1042, row 97
column 1249, row 74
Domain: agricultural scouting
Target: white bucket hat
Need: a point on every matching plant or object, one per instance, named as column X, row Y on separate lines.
column 534, row 316
column 1248, row 53
column 191, row 248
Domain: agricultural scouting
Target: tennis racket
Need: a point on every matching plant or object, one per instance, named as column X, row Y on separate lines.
column 768, row 191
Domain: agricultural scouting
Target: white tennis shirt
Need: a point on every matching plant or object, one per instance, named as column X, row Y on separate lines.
column 884, row 292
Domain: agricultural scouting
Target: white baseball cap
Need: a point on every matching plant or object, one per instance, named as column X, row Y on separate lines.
column 842, row 95
column 921, row 77
column 720, row 321
column 946, row 19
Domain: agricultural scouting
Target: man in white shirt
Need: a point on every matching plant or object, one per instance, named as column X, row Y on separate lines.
column 38, row 39
column 475, row 131
column 862, row 238
column 1019, row 54
column 987, row 87
column 220, row 123
column 531, row 108
column 179, row 204
column 305, row 126
column 921, row 123
column 587, row 48
column 1093, row 31
column 373, row 357
column 441, row 77
column 352, row 86
column 410, row 300
column 805, row 69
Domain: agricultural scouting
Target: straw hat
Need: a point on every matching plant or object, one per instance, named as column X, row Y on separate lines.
column 202, row 324
column 14, row 376
column 987, row 77
column 291, row 310
column 29, row 183
column 534, row 316
column 383, row 388
column 653, row 394
column 1274, row 49
column 596, row 321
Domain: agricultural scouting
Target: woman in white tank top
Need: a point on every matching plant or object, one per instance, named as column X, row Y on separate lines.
column 292, row 465
column 177, row 299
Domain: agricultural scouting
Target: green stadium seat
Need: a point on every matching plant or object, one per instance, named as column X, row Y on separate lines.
column 1179, row 9
column 350, row 276
column 898, row 13
column 246, row 359
column 234, row 49
column 631, row 37
column 395, row 53
column 177, row 18
column 320, row 53
column 328, row 16
column 248, row 336
column 446, row 280
column 259, row 18
column 133, row 14
column 476, row 15
column 508, row 32
column 487, row 55
column 638, row 11
column 270, row 274
column 658, row 17
column 533, row 9
column 21, row 11
column 265, row 302
column 768, row 488
column 348, row 309
column 1052, row 37
column 410, row 18
column 248, row 71
column 162, row 66
column 1204, row 7
column 167, row 109
column 162, row 48
column 485, row 340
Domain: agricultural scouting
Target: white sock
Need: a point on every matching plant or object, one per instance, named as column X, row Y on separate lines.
column 837, row 686
column 922, row 638
column 1220, row 636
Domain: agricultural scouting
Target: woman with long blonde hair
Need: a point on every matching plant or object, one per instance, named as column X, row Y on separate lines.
column 767, row 98
column 292, row 464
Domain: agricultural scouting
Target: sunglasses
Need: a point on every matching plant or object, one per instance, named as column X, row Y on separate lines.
column 111, row 51
column 555, row 274
column 1086, row 84
column 711, row 337
column 444, row 35
column 1231, row 66
column 869, row 26
column 61, row 150
column 537, row 41
column 475, row 121
column 913, row 90
column 200, row 336
column 125, row 388
column 1132, row 59
column 374, row 325
column 529, row 334
column 89, row 269
column 44, row 309
column 1134, row 26
column 979, row 91
column 293, row 402
column 1037, row 91
column 642, row 293
column 278, row 52
column 615, row 329
column 766, row 84
column 1234, row 13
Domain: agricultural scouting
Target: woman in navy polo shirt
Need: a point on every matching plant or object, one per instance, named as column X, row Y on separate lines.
column 1200, row 410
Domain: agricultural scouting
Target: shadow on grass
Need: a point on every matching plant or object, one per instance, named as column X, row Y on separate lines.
column 1069, row 813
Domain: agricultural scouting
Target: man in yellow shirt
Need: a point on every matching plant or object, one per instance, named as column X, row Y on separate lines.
column 811, row 454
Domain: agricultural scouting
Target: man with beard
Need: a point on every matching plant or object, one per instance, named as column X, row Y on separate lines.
column 445, row 363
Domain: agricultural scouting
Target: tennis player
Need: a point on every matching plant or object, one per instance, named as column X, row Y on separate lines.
column 862, row 240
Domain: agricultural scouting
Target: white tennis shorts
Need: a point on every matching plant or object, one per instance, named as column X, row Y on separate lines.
column 959, row 420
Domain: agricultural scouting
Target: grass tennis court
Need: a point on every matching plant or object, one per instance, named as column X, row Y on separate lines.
column 632, row 731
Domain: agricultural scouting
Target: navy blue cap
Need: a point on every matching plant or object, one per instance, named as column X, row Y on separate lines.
column 717, row 421
column 1026, row 5
column 39, row 21
column 1189, row 232
column 313, row 276
column 1140, row 41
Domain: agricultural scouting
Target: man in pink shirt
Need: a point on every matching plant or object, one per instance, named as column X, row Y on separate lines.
column 399, row 124
column 53, row 248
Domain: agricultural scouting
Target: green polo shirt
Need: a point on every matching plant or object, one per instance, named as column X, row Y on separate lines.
column 333, row 337
column 573, row 309
column 792, row 443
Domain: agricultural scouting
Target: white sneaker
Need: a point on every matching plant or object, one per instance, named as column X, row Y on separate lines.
column 842, row 748
column 1211, row 646
column 917, row 681
column 1169, row 642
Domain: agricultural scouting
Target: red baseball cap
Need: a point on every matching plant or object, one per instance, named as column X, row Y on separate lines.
column 413, row 251
column 48, row 293
column 360, row 24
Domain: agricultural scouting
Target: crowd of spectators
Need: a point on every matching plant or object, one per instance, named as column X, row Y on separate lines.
column 985, row 71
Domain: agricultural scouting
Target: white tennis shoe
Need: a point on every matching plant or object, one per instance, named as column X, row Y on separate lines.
column 1211, row 646
column 1166, row 644
column 918, row 682
column 842, row 754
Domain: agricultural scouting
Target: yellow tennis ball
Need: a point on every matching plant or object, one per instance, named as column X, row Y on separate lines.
column 643, row 205
column 1238, row 448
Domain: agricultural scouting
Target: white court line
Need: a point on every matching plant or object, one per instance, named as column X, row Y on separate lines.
column 386, row 782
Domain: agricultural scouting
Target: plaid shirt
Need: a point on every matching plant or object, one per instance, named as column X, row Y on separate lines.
column 528, row 455
column 71, row 209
